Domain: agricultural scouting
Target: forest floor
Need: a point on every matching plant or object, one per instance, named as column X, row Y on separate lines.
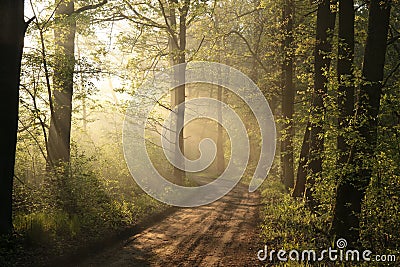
column 223, row 233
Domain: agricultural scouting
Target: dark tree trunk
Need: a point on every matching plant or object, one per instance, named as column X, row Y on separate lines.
column 313, row 143
column 323, row 47
column 60, row 126
column 351, row 189
column 301, row 178
column 287, row 97
column 345, row 98
column 12, row 29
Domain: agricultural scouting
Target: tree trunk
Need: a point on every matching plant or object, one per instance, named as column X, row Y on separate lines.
column 351, row 189
column 323, row 47
column 12, row 30
column 301, row 178
column 345, row 98
column 287, row 97
column 220, row 141
column 177, row 46
column 220, row 157
column 60, row 125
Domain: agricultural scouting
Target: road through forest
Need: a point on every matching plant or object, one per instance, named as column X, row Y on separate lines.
column 224, row 233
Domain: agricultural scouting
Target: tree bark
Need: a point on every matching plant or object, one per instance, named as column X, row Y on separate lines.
column 287, row 97
column 301, row 177
column 345, row 98
column 220, row 157
column 12, row 30
column 60, row 126
column 351, row 189
column 177, row 46
column 220, row 140
column 323, row 47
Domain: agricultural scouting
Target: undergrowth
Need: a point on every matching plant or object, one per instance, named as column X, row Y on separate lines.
column 287, row 224
column 63, row 213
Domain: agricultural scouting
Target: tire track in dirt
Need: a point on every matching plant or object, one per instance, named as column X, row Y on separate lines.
column 223, row 233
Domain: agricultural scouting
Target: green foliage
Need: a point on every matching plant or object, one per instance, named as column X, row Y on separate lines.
column 381, row 214
column 288, row 223
column 60, row 213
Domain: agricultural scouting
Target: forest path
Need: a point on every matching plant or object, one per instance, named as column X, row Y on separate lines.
column 223, row 233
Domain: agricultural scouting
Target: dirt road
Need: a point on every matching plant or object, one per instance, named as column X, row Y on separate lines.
column 224, row 233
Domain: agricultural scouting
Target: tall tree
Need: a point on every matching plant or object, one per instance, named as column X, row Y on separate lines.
column 220, row 157
column 313, row 139
column 176, row 17
column 63, row 80
column 12, row 30
column 345, row 98
column 351, row 189
column 325, row 25
column 60, row 125
column 288, row 95
column 177, row 46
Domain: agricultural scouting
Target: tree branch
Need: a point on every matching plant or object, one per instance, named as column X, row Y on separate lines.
column 197, row 50
column 142, row 17
column 29, row 22
column 393, row 40
column 141, row 22
column 169, row 28
column 310, row 13
column 390, row 74
column 89, row 7
column 250, row 49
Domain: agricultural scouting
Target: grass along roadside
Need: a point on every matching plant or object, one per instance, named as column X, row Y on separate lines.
column 287, row 224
